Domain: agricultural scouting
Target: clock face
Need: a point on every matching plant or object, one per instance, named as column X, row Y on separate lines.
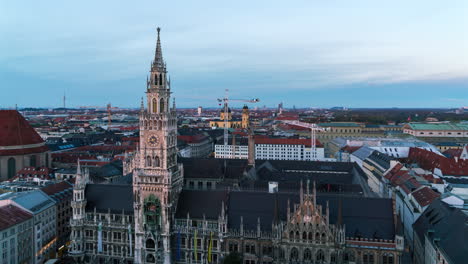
column 153, row 140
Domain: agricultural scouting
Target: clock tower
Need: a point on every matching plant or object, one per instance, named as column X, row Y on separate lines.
column 157, row 177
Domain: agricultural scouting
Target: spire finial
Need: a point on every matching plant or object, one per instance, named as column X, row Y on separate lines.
column 158, row 60
column 78, row 167
column 301, row 196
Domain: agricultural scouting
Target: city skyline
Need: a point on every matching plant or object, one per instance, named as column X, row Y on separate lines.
column 307, row 55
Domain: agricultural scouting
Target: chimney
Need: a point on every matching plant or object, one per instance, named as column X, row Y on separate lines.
column 251, row 148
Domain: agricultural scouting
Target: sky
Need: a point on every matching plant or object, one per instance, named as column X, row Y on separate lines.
column 311, row 53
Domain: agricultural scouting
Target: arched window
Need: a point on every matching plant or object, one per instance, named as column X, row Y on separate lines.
column 297, row 235
column 304, row 236
column 317, row 237
column 324, row 238
column 155, row 105
column 310, row 236
column 368, row 258
column 294, row 254
column 291, row 235
column 387, row 258
column 320, row 257
column 333, row 258
column 155, row 79
column 156, row 161
column 150, row 258
column 11, row 168
column 161, row 105
column 349, row 256
column 150, row 243
column 307, row 255
column 161, row 79
column 148, row 161
column 32, row 162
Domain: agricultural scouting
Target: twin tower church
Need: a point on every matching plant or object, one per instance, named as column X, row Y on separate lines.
column 157, row 217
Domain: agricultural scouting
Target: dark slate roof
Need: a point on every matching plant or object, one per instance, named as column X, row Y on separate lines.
column 364, row 217
column 123, row 180
column 109, row 170
column 449, row 226
column 381, row 159
column 332, row 178
column 213, row 168
column 294, row 186
column 289, row 165
column 201, row 203
column 113, row 197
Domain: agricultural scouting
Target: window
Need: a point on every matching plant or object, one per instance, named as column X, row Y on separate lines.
column 11, row 168
column 88, row 233
column 117, row 236
column 368, row 258
column 233, row 247
column 249, row 248
column 388, row 258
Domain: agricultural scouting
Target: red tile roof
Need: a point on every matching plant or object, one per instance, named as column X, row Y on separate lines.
column 429, row 160
column 13, row 152
column 15, row 130
column 425, row 196
column 450, row 153
column 12, row 215
column 287, row 118
column 286, row 141
column 33, row 172
column 293, row 127
column 197, row 138
column 56, row 188
column 350, row 149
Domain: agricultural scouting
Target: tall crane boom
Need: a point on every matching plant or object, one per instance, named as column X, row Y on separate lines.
column 226, row 101
column 109, row 115
column 313, row 128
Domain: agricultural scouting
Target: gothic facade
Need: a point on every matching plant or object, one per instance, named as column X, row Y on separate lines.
column 154, row 221
column 265, row 228
column 157, row 178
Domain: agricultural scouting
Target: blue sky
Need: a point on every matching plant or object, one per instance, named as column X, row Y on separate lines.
column 308, row 53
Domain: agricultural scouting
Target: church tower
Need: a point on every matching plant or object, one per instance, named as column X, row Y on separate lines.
column 157, row 177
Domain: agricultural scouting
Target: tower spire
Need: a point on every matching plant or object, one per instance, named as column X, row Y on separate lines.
column 158, row 59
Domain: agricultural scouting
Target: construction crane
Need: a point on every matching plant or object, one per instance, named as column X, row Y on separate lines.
column 313, row 128
column 109, row 115
column 226, row 101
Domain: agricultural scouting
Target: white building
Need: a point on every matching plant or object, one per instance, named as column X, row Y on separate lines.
column 393, row 147
column 271, row 149
column 43, row 208
column 15, row 235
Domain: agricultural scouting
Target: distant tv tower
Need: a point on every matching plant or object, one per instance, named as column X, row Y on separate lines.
column 64, row 99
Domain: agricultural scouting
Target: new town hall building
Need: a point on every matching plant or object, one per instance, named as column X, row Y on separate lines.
column 156, row 220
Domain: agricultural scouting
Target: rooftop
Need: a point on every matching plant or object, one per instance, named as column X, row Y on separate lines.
column 16, row 132
column 438, row 126
column 12, row 215
column 35, row 201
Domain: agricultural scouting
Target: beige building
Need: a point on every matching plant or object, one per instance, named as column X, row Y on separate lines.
column 232, row 122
